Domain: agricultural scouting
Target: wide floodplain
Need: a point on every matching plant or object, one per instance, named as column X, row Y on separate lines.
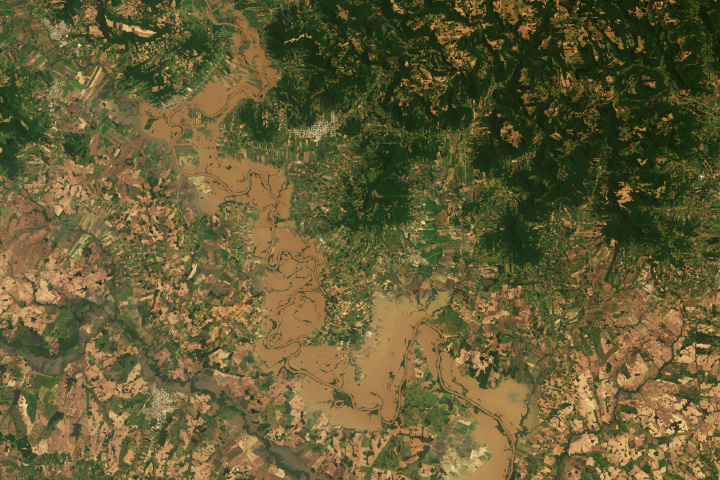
column 373, row 376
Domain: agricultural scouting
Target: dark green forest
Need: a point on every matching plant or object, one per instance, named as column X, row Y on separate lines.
column 24, row 118
column 178, row 56
column 607, row 108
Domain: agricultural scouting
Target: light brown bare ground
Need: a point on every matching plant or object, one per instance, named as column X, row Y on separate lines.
column 372, row 376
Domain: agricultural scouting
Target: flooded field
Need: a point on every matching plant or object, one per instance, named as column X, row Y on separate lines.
column 500, row 409
column 369, row 380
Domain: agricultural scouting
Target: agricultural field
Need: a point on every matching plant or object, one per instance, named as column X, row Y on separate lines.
column 270, row 239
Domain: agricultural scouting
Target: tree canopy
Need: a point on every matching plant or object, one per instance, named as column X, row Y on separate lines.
column 599, row 106
column 24, row 117
column 158, row 48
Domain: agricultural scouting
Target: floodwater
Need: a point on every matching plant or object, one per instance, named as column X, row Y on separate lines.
column 500, row 410
column 371, row 377
column 320, row 397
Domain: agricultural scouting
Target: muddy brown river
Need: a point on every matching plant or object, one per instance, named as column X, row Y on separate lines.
column 373, row 376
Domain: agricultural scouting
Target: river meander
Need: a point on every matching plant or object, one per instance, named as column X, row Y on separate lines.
column 373, row 377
